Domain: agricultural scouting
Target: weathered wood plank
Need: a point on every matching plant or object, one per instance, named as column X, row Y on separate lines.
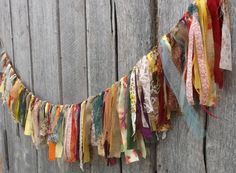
column 101, row 50
column 25, row 154
column 101, row 60
column 9, row 128
column 73, row 57
column 5, row 27
column 180, row 151
column 45, row 59
column 136, row 27
column 221, row 133
column 73, row 50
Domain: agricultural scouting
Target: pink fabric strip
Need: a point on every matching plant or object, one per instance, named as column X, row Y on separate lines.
column 189, row 83
column 196, row 35
column 67, row 134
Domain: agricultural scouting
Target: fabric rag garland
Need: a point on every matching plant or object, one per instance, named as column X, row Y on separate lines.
column 182, row 72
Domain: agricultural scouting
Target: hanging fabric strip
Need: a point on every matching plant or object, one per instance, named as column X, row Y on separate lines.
column 107, row 122
column 131, row 143
column 163, row 119
column 195, row 41
column 87, row 125
column 59, row 131
column 67, row 137
column 22, row 106
column 93, row 135
column 226, row 50
column 53, row 137
column 28, row 125
column 115, row 138
column 143, row 86
column 141, row 123
column 208, row 42
column 97, row 114
column 214, row 9
column 122, row 109
column 73, row 136
column 35, row 123
column 78, row 133
column 144, row 79
column 28, row 98
column 81, row 137
column 133, row 100
column 42, row 123
column 177, row 85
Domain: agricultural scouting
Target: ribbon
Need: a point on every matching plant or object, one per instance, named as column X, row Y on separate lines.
column 133, row 99
column 195, row 42
column 81, row 153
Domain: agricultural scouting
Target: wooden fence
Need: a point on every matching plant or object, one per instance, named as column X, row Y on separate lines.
column 66, row 50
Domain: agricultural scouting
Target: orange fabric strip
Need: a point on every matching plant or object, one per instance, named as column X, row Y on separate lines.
column 51, row 151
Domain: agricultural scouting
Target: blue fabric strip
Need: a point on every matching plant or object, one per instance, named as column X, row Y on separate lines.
column 178, row 87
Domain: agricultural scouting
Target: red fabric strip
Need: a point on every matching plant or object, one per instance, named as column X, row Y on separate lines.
column 214, row 9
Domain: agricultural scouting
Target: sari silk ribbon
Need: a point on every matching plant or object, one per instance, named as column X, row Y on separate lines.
column 195, row 42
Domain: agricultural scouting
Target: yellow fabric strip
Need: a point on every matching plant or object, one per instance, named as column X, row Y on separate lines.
column 28, row 125
column 207, row 36
column 115, row 141
column 81, row 139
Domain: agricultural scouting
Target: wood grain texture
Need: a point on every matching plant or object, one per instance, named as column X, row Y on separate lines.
column 73, row 50
column 101, row 60
column 73, row 58
column 221, row 133
column 136, row 28
column 101, row 48
column 8, row 127
column 25, row 158
column 180, row 151
column 45, row 58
